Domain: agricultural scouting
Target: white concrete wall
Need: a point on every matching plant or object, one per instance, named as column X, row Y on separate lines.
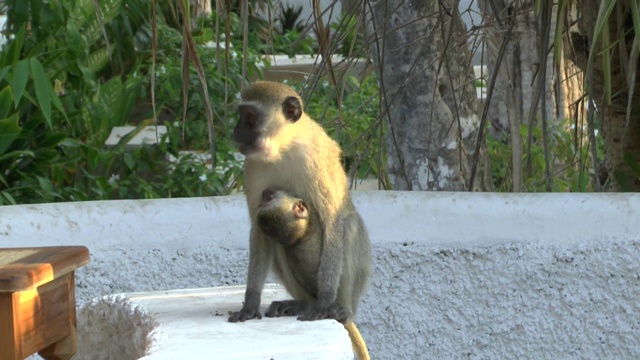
column 456, row 275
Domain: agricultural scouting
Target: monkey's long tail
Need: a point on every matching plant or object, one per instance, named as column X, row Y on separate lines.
column 359, row 346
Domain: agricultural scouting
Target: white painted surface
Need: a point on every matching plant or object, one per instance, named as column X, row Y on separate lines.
column 148, row 135
column 282, row 68
column 192, row 324
column 186, row 332
column 455, row 275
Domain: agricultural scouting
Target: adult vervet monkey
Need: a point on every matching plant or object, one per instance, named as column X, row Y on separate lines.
column 286, row 149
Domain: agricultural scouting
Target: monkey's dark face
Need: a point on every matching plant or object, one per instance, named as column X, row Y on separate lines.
column 262, row 129
column 248, row 130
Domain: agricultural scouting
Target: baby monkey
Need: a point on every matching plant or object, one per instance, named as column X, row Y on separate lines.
column 290, row 222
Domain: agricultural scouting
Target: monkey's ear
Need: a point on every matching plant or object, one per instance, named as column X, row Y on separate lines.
column 300, row 210
column 292, row 108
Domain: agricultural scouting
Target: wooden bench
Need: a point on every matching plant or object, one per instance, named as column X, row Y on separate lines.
column 37, row 301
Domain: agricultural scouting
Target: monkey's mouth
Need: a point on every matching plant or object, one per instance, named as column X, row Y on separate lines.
column 251, row 149
column 259, row 147
column 245, row 149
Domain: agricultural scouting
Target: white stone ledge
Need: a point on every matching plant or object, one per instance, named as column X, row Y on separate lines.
column 192, row 324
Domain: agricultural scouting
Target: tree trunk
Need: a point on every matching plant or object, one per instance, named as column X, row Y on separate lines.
column 429, row 98
column 621, row 137
column 199, row 8
column 511, row 103
column 522, row 63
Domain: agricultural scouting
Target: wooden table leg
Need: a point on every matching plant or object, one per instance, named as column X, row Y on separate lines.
column 66, row 347
column 42, row 319
column 38, row 301
column 9, row 342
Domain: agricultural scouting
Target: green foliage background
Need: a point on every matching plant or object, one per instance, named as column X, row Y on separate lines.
column 67, row 77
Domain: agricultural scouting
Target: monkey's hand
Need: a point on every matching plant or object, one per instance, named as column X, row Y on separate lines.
column 245, row 314
column 285, row 308
column 334, row 311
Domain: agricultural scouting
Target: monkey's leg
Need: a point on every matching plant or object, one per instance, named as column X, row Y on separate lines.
column 260, row 258
column 286, row 308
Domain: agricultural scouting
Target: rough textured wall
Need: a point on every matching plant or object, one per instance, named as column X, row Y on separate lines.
column 457, row 275
column 503, row 301
column 509, row 301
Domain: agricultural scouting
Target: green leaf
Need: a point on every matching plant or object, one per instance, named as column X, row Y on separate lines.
column 19, row 80
column 9, row 131
column 6, row 99
column 559, row 30
column 56, row 102
column 632, row 162
column 621, row 179
column 81, row 12
column 4, row 71
column 16, row 153
column 43, row 88
column 93, row 30
column 52, row 140
column 110, row 97
column 601, row 36
column 11, row 54
column 47, row 188
column 125, row 139
column 128, row 101
column 20, row 14
column 635, row 16
column 130, row 161
column 7, row 195
column 72, row 143
column 98, row 59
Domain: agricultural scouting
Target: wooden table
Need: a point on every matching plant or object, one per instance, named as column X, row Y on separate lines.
column 38, row 302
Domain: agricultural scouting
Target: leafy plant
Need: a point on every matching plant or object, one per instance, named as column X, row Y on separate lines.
column 290, row 19
column 576, row 175
column 293, row 43
column 29, row 145
column 53, row 122
column 353, row 122
column 348, row 34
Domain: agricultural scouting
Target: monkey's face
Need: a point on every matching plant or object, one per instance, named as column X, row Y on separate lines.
column 264, row 129
column 282, row 218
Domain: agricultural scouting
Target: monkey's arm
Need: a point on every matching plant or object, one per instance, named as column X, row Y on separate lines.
column 260, row 256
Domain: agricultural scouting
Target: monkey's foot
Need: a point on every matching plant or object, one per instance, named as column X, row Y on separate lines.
column 245, row 314
column 334, row 311
column 285, row 308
